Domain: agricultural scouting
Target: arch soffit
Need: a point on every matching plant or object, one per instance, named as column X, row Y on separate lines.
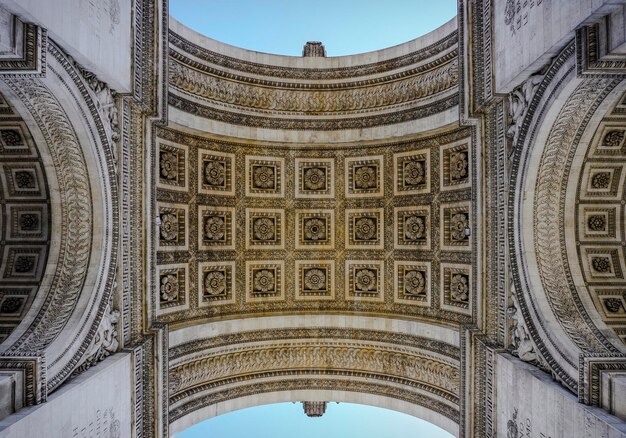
column 565, row 111
column 65, row 115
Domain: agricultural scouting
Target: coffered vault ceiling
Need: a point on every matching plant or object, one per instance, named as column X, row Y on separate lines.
column 259, row 229
column 24, row 219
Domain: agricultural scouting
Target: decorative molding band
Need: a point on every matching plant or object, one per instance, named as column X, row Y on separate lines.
column 280, row 101
column 591, row 47
column 32, row 367
column 400, row 339
column 235, row 118
column 29, row 50
column 373, row 361
column 320, row 382
column 223, row 61
column 594, row 369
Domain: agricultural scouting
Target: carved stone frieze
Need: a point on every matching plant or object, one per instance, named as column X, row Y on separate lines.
column 276, row 100
column 440, row 376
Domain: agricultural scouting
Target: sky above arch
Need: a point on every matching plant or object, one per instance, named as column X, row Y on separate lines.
column 345, row 27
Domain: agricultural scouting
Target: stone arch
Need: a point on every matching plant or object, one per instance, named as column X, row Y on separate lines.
column 408, row 366
column 562, row 115
column 68, row 113
column 336, row 394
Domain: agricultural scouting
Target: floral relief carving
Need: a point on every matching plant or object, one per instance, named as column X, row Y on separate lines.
column 214, row 228
column 601, row 264
column 365, row 177
column 596, row 222
column 365, row 280
column 601, row 180
column 169, row 166
column 314, row 279
column 315, row 178
column 214, row 283
column 365, row 228
column 456, row 288
column 459, row 288
column 414, row 228
column 458, row 165
column 458, row 223
column 169, row 288
column 264, row 177
column 11, row 137
column 264, row 229
column 613, row 138
column 25, row 180
column 215, row 173
column 414, row 173
column 613, row 305
column 264, row 281
column 315, row 229
column 414, row 283
column 169, row 227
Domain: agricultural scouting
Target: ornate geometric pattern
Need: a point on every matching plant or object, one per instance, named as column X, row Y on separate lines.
column 603, row 181
column 315, row 178
column 14, row 140
column 22, row 181
column 315, row 280
column 216, row 227
column 456, row 288
column 24, row 219
column 172, row 290
column 411, row 172
column 173, row 227
column 365, row 280
column 264, row 280
column 604, row 263
column 412, row 280
column 601, row 219
column 364, row 177
column 215, row 173
column 314, row 229
column 364, row 228
column 331, row 233
column 265, row 228
column 173, row 172
column 412, row 229
column 216, row 283
column 455, row 220
column 454, row 159
column 265, row 177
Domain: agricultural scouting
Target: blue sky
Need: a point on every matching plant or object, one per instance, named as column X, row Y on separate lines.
column 287, row 420
column 345, row 27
